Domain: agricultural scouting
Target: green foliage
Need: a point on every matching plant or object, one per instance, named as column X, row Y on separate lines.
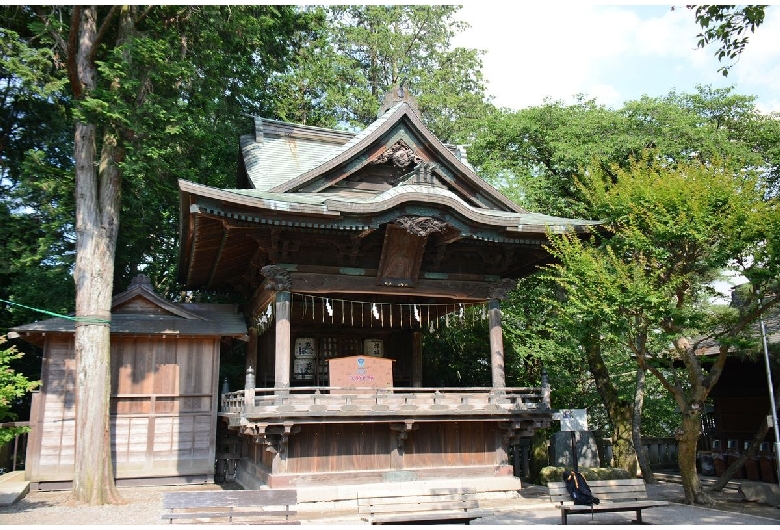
column 542, row 156
column 727, row 25
column 457, row 351
column 555, row 474
column 671, row 229
column 378, row 46
column 13, row 386
column 536, row 154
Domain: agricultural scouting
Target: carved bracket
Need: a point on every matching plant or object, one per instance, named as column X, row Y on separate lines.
column 421, row 226
column 402, row 433
column 278, row 278
column 512, row 431
column 274, row 436
column 500, row 289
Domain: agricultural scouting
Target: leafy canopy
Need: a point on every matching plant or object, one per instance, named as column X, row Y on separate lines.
column 13, row 386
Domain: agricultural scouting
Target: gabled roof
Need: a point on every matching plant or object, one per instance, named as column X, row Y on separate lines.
column 284, row 158
column 280, row 151
column 328, row 201
column 141, row 298
column 141, row 311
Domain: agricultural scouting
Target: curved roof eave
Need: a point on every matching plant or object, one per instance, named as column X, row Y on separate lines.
column 525, row 222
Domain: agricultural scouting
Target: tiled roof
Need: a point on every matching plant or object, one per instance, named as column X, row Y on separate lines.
column 141, row 311
column 337, row 205
column 280, row 151
column 218, row 320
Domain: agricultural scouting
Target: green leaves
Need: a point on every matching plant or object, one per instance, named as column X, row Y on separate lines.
column 375, row 47
column 671, row 229
column 727, row 25
column 13, row 386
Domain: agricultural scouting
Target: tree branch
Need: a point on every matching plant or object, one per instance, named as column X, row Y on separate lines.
column 102, row 32
column 73, row 37
column 143, row 15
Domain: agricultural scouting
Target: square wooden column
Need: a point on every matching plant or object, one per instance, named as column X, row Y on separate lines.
column 496, row 345
column 278, row 279
column 251, row 351
column 498, row 291
column 282, row 348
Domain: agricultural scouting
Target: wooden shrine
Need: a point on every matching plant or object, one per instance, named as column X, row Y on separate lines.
column 347, row 247
column 164, row 378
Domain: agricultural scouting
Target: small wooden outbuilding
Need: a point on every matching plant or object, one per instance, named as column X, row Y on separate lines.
column 164, row 379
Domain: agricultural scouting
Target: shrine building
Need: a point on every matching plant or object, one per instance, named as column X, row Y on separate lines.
column 346, row 248
column 349, row 247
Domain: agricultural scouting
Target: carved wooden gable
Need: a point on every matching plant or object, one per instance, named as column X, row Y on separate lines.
column 397, row 150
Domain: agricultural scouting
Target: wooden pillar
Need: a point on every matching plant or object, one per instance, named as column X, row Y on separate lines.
column 282, row 349
column 278, row 279
column 496, row 345
column 417, row 359
column 497, row 291
column 251, row 351
column 249, row 389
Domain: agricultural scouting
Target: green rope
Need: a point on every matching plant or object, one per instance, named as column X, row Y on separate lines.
column 89, row 320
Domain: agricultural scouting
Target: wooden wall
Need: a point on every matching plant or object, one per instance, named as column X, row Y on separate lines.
column 344, row 447
column 340, row 447
column 164, row 406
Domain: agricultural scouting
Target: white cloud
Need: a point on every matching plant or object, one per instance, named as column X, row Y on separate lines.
column 759, row 65
column 612, row 53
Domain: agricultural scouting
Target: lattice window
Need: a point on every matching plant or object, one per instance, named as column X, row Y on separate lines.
column 332, row 347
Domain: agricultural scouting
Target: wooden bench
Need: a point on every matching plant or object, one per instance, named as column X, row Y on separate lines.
column 446, row 505
column 623, row 495
column 231, row 506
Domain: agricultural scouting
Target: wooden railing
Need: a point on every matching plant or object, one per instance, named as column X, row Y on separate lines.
column 11, row 452
column 317, row 401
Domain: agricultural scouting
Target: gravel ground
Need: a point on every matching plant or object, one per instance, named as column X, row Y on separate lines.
column 144, row 507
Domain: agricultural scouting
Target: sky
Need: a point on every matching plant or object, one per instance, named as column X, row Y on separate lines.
column 613, row 53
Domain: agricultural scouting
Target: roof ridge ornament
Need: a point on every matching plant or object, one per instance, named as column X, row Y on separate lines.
column 143, row 281
column 397, row 94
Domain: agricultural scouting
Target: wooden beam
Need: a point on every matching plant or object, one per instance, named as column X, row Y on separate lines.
column 219, row 255
column 402, row 255
column 260, row 300
column 465, row 291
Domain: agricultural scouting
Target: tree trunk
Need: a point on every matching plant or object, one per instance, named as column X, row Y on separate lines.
column 636, row 429
column 97, row 200
column 688, row 441
column 620, row 412
column 539, row 458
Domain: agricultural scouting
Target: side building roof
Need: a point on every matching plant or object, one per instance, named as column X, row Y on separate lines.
column 140, row 311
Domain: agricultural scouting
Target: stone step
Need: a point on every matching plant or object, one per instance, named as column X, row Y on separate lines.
column 706, row 482
column 13, row 487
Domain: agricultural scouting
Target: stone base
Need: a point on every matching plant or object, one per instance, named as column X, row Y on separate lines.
column 761, row 492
